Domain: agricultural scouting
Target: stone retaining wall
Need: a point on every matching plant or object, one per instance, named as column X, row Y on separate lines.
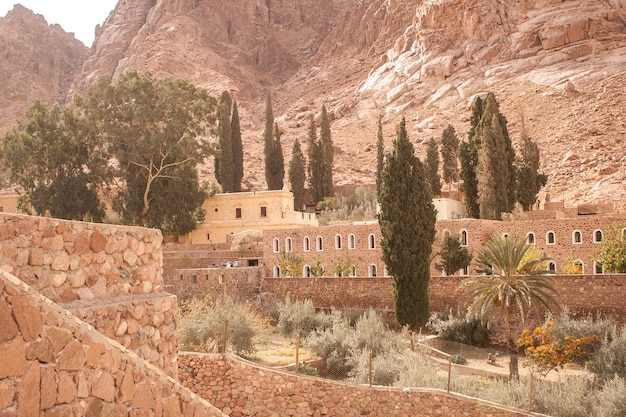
column 241, row 388
column 54, row 364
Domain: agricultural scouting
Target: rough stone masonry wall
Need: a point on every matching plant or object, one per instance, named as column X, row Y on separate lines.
column 241, row 388
column 53, row 364
column 110, row 276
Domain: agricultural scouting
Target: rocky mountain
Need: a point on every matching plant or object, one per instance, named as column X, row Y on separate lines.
column 558, row 68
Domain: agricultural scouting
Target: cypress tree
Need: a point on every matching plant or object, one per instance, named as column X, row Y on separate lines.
column 268, row 141
column 407, row 224
column 432, row 167
column 529, row 180
column 468, row 156
column 224, row 165
column 327, row 152
column 315, row 163
column 297, row 175
column 449, row 148
column 237, row 146
column 380, row 155
column 278, row 162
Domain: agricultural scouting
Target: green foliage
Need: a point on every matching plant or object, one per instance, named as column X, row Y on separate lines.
column 341, row 266
column 237, row 146
column 317, row 269
column 328, row 153
column 59, row 162
column 468, row 156
column 529, row 179
column 572, row 265
column 224, row 158
column 202, row 322
column 449, row 150
column 407, row 224
column 612, row 253
column 297, row 175
column 453, row 256
column 459, row 329
column 432, row 167
column 380, row 154
column 274, row 162
column 610, row 359
column 315, row 162
column 290, row 264
column 299, row 318
column 153, row 129
column 359, row 205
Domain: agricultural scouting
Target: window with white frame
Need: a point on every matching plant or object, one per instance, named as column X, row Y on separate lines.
column 276, row 271
column 463, row 237
column 550, row 238
column 338, row 242
column 373, row 270
column 353, row 270
column 371, row 241
column 351, row 241
column 597, row 268
column 445, row 233
column 577, row 237
column 385, row 271
column 552, row 267
column 288, row 245
column 464, row 271
column 306, row 271
column 319, row 243
column 530, row 238
column 597, row 236
column 306, row 244
column 276, row 245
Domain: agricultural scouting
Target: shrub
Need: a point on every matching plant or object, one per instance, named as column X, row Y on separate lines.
column 458, row 329
column 610, row 359
column 299, row 318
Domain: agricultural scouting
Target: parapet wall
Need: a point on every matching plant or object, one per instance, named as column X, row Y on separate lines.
column 54, row 364
column 111, row 276
column 241, row 388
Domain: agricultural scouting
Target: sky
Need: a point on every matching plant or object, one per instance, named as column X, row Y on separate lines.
column 77, row 16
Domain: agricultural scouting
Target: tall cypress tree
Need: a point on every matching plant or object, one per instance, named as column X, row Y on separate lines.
column 315, row 163
column 224, row 163
column 496, row 171
column 380, row 154
column 407, row 224
column 278, row 162
column 297, row 175
column 237, row 146
column 529, row 180
column 328, row 153
column 268, row 140
column 449, row 150
column 432, row 167
column 468, row 156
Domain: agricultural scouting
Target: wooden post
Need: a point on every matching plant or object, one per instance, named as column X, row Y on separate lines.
column 297, row 352
column 225, row 336
column 530, row 391
column 370, row 368
column 449, row 371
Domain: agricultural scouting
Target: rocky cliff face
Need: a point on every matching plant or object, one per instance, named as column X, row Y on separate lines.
column 557, row 67
column 37, row 62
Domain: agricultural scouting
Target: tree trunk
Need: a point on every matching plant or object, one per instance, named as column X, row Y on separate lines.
column 511, row 320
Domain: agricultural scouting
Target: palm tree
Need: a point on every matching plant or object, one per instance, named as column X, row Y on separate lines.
column 512, row 282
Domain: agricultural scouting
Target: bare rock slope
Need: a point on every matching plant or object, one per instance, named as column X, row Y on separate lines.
column 558, row 68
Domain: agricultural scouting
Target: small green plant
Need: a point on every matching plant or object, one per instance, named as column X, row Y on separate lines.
column 318, row 270
column 299, row 318
column 290, row 264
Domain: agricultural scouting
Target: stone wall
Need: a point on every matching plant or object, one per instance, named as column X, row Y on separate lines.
column 54, row 364
column 241, row 388
column 110, row 276
column 240, row 283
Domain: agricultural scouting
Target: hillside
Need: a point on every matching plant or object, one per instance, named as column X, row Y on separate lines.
column 557, row 67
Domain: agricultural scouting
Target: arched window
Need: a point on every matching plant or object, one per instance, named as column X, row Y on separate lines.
column 445, row 233
column 464, row 271
column 597, row 236
column 319, row 243
column 579, row 267
column 385, row 271
column 306, row 271
column 463, row 237
column 276, row 245
column 371, row 241
column 530, row 238
column 276, row 271
column 550, row 238
column 577, row 237
column 597, row 268
column 288, row 245
column 306, row 244
column 351, row 241
column 505, row 235
column 372, row 270
column 552, row 267
column 353, row 270
column 338, row 242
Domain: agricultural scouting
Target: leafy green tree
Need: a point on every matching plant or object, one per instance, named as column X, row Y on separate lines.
column 327, row 151
column 297, row 175
column 224, row 160
column 380, row 154
column 432, row 167
column 237, row 145
column 315, row 163
column 407, row 224
column 512, row 284
column 449, row 151
column 468, row 156
column 153, row 128
column 58, row 161
column 529, row 179
column 453, row 256
column 274, row 162
column 495, row 172
column 612, row 253
column 290, row 264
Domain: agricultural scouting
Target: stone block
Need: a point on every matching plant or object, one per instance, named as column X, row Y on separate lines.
column 8, row 327
column 72, row 357
column 29, row 393
column 143, row 397
column 58, row 337
column 67, row 389
column 7, row 393
column 28, row 317
column 40, row 350
column 48, row 387
column 104, row 386
column 16, row 350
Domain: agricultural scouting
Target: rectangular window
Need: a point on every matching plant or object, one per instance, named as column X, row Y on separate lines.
column 238, row 213
column 263, row 211
column 208, row 236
